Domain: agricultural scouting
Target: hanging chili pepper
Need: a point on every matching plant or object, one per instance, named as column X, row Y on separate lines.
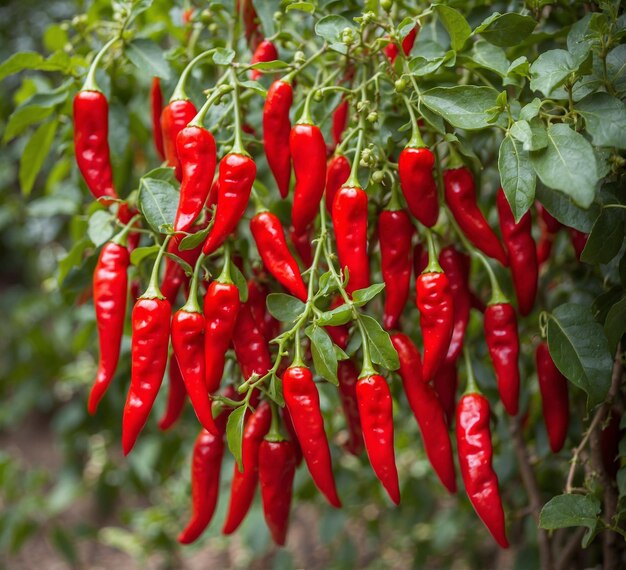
column 436, row 307
column 420, row 258
column 445, row 384
column 550, row 227
column 174, row 275
column 176, row 396
column 276, row 133
column 289, row 427
column 236, row 176
column 395, row 233
column 250, row 346
column 348, row 376
column 337, row 173
column 265, row 51
column 250, row 22
column 475, row 450
column 175, row 117
column 391, row 49
column 554, row 398
column 303, row 403
column 427, row 410
column 302, row 244
column 579, row 241
column 156, row 106
column 460, row 195
column 245, row 482
column 340, row 121
column 271, row 243
column 522, row 253
column 257, row 301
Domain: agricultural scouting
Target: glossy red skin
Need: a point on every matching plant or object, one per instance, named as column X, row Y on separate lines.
column 174, row 275
column 375, row 410
column 221, row 307
column 391, row 50
column 196, row 152
column 522, row 253
column 176, row 396
column 349, row 217
column 257, row 301
column 395, row 232
column 289, row 427
column 415, row 170
column 551, row 223
column 503, row 343
column 250, row 22
column 579, row 241
column 308, row 152
column 276, row 132
column 277, row 467
column 236, row 176
column 339, row 334
column 340, row 121
column 250, row 346
column 475, row 456
column 245, row 482
column 303, row 403
column 436, row 307
column 302, row 244
column 445, row 384
column 271, row 243
column 149, row 348
column 420, row 259
column 554, row 398
column 348, row 376
column 550, row 227
column 156, row 106
column 110, row 288
column 337, row 173
column 460, row 193
column 265, row 51
column 174, row 118
column 427, row 410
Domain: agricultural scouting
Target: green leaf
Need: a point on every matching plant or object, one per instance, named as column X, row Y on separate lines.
column 284, row 307
column 177, row 259
column 302, row 7
column 23, row 118
column 35, row 153
column 564, row 210
column 580, row 350
column 578, row 40
column 517, row 176
column 519, row 66
column 570, row 510
column 266, row 9
column 456, row 25
column 140, row 253
column 381, row 349
column 147, row 56
column 531, row 110
column 32, row 60
column 256, row 87
column 234, row 433
column 270, row 65
column 240, row 281
column 532, row 135
column 330, row 27
column 463, row 106
column 551, row 69
column 158, row 201
column 192, row 241
column 361, row 296
column 506, row 30
column 338, row 316
column 567, row 164
column 615, row 324
column 606, row 237
column 73, row 259
column 605, row 119
column 327, row 283
column 101, row 227
column 323, row 352
column 63, row 542
column 490, row 57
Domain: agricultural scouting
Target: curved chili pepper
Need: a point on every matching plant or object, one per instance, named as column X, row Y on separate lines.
column 337, row 173
column 174, row 275
column 245, row 482
column 303, row 403
column 174, row 118
column 550, row 227
column 236, row 176
column 445, row 384
column 265, row 51
column 250, row 22
column 349, row 217
column 503, row 344
column 339, row 121
column 156, row 106
column 395, row 233
column 257, row 301
column 375, row 410
column 250, row 346
column 475, row 454
column 579, row 241
column 460, row 195
column 348, row 376
column 302, row 244
column 195, row 148
column 277, row 467
column 110, row 288
column 415, row 170
column 308, row 152
column 522, row 252
column 554, row 398
column 291, row 430
column 391, row 50
column 271, row 243
column 427, row 410
column 276, row 132
column 176, row 396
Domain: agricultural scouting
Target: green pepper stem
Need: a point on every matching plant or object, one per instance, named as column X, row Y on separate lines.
column 305, row 117
column 154, row 291
column 454, row 158
column 198, row 120
column 472, row 386
column 353, row 180
column 433, row 263
column 497, row 296
column 289, row 77
column 259, row 206
column 90, row 81
column 192, row 305
column 120, row 238
column 416, row 140
column 179, row 91
column 368, row 368
column 297, row 358
column 238, row 147
column 224, row 276
column 394, row 202
column 275, row 433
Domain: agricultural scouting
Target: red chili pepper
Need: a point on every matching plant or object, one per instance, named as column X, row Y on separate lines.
column 337, row 173
column 276, row 132
column 308, row 151
column 579, row 241
column 427, row 410
column 348, row 376
column 236, row 176
column 460, row 195
column 245, row 482
column 271, row 243
column 175, row 117
column 503, row 344
column 395, row 233
column 250, row 346
column 420, row 258
column 265, row 51
column 415, row 170
column 289, row 427
column 610, row 438
column 302, row 244
column 277, row 467
column 522, row 252
column 110, row 288
column 174, row 275
column 375, row 410
column 550, row 226
column 303, row 403
column 176, row 396
column 250, row 22
column 475, row 455
column 554, row 398
column 257, row 301
column 445, row 384
column 156, row 106
column 340, row 121
column 391, row 50
column 349, row 217
column 195, row 148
